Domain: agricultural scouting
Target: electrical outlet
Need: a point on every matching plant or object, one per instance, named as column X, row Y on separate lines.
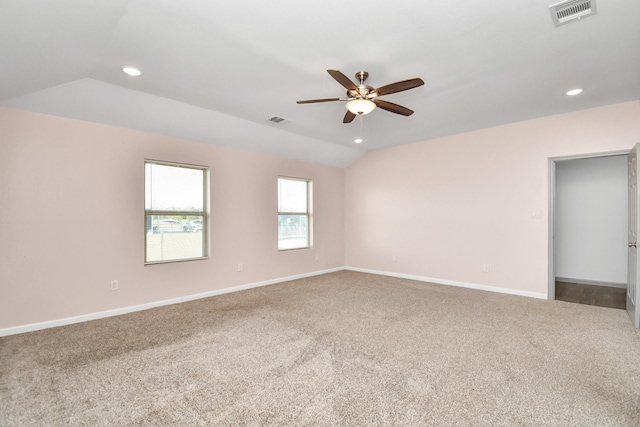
column 485, row 268
column 317, row 257
column 394, row 258
column 240, row 267
column 114, row 285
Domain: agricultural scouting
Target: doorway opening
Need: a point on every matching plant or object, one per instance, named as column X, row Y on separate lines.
column 588, row 228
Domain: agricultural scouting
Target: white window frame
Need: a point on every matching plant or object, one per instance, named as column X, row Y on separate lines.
column 308, row 213
column 204, row 213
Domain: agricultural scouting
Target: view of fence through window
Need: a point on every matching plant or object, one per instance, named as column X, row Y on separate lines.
column 175, row 217
column 294, row 212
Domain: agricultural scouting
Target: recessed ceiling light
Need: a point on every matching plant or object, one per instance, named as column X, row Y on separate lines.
column 358, row 140
column 574, row 92
column 131, row 71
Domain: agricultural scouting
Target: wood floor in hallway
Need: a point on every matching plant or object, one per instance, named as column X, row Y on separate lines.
column 602, row 296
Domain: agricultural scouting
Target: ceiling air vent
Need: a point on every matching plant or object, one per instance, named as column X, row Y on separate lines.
column 278, row 120
column 571, row 10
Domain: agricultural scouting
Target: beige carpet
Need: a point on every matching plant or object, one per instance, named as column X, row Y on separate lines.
column 340, row 349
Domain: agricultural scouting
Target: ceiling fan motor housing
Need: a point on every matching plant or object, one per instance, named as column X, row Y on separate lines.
column 362, row 92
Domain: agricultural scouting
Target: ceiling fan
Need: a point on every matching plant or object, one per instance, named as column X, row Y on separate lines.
column 363, row 99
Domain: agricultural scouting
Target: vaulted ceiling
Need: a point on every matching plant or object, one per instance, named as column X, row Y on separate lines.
column 215, row 70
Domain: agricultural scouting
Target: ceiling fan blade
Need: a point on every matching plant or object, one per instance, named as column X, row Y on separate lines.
column 394, row 108
column 399, row 86
column 348, row 118
column 311, row 101
column 343, row 80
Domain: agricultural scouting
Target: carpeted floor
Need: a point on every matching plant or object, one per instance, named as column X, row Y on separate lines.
column 344, row 348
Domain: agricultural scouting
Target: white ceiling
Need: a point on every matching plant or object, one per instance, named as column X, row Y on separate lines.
column 216, row 70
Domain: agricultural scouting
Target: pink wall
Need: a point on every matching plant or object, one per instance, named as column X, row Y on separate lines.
column 71, row 210
column 445, row 207
column 71, row 218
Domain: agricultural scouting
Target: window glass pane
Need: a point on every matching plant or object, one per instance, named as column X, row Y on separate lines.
column 175, row 218
column 174, row 237
column 293, row 231
column 292, row 195
column 173, row 188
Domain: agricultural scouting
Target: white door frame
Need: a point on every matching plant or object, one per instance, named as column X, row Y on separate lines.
column 551, row 289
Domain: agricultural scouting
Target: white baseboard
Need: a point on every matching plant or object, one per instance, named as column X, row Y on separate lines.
column 452, row 283
column 124, row 310
column 591, row 282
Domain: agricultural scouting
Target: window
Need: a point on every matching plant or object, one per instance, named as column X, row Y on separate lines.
column 294, row 213
column 175, row 211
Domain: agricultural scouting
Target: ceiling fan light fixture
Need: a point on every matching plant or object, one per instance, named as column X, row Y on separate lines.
column 361, row 106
